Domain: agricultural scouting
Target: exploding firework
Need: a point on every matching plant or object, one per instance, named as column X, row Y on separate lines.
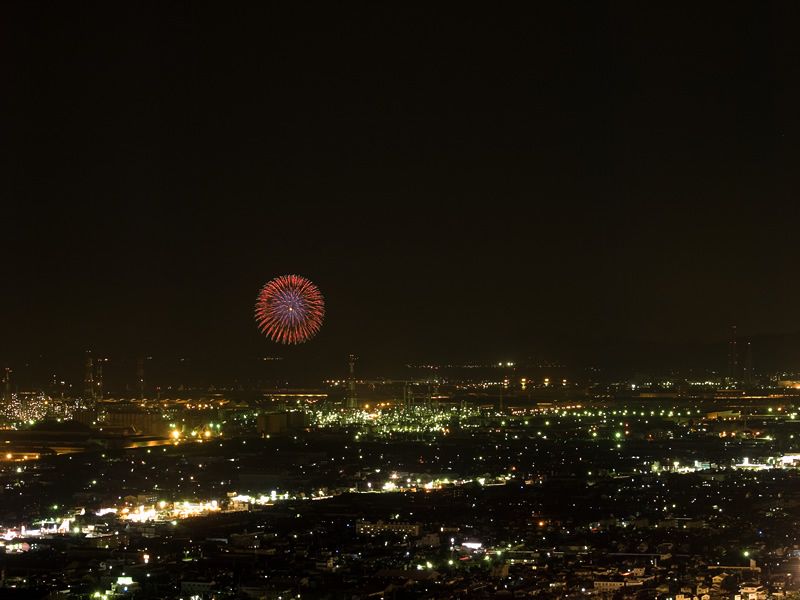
column 289, row 309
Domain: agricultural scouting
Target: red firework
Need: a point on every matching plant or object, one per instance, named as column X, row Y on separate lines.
column 289, row 309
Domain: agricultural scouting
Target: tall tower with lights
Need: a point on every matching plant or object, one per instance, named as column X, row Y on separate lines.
column 351, row 385
column 88, row 379
column 98, row 380
column 733, row 359
column 7, row 386
column 748, row 366
column 433, row 395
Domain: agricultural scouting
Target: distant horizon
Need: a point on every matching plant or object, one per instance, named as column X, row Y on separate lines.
column 773, row 352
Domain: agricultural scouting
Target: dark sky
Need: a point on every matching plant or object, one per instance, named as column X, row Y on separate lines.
column 456, row 183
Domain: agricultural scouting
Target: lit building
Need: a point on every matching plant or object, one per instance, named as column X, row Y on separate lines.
column 368, row 528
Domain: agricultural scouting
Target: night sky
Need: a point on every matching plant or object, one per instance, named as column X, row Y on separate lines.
column 460, row 185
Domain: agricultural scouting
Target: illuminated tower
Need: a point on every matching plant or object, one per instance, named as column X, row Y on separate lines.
column 435, row 389
column 407, row 396
column 351, row 385
column 98, row 382
column 88, row 379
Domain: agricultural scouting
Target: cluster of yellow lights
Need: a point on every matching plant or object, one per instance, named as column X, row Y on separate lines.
column 386, row 421
column 262, row 499
column 176, row 433
column 32, row 408
column 10, row 456
column 167, row 511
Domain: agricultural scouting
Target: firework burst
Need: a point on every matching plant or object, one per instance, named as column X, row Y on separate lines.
column 289, row 309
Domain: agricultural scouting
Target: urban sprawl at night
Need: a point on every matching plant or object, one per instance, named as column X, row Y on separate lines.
column 458, row 481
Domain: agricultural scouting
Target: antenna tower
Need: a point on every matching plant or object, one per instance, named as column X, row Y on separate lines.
column 748, row 365
column 733, row 359
column 351, row 385
column 98, row 379
column 88, row 379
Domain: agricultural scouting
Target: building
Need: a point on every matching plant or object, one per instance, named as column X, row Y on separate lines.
column 367, row 528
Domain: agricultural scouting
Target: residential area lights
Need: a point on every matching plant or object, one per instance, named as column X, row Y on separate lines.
column 497, row 467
